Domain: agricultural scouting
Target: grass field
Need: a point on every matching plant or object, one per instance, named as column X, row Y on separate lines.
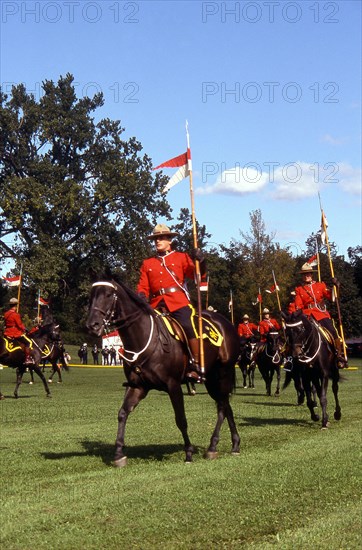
column 292, row 487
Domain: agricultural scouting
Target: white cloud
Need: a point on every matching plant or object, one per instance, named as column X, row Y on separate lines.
column 327, row 138
column 293, row 181
column 237, row 181
column 350, row 179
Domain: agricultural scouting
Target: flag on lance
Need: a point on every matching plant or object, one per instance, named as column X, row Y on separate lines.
column 12, row 281
column 273, row 288
column 183, row 163
column 42, row 301
column 313, row 261
column 204, row 285
column 324, row 225
column 258, row 299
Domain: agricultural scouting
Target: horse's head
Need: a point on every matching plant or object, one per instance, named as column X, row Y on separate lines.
column 273, row 341
column 102, row 307
column 297, row 329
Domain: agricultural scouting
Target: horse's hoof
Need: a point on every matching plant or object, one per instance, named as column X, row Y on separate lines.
column 31, row 382
column 2, row 396
column 49, row 395
column 337, row 415
column 59, row 382
column 120, row 463
column 50, row 381
column 235, row 453
column 324, row 427
column 211, row 455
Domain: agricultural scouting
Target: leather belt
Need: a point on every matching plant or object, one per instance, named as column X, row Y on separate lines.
column 168, row 290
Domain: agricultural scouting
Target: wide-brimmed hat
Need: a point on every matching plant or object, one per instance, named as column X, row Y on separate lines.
column 161, row 230
column 307, row 268
column 246, row 316
column 266, row 310
column 13, row 301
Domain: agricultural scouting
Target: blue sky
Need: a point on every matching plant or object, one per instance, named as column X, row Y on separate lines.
column 271, row 91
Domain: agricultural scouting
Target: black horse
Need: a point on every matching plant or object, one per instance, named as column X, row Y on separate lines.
column 269, row 359
column 314, row 357
column 246, row 361
column 12, row 353
column 56, row 356
column 158, row 360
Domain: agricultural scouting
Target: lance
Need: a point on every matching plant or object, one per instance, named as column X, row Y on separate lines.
column 318, row 262
column 278, row 300
column 259, row 300
column 197, row 263
column 38, row 309
column 335, row 288
column 231, row 307
column 19, row 289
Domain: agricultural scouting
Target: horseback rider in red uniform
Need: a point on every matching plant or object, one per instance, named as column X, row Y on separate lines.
column 162, row 282
column 246, row 330
column 267, row 324
column 15, row 329
column 310, row 298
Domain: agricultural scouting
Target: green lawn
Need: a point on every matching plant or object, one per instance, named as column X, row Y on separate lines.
column 293, row 485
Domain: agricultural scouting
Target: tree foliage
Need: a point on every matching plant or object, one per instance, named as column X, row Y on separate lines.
column 74, row 193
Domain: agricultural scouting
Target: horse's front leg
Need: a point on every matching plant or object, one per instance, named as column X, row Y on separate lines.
column 323, row 402
column 131, row 399
column 19, row 377
column 337, row 411
column 177, row 400
column 38, row 371
column 311, row 403
column 252, row 375
column 277, row 372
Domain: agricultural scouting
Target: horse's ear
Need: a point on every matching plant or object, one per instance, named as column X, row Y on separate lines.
column 93, row 275
column 108, row 272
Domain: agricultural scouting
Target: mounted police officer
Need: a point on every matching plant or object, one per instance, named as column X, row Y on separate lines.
column 15, row 329
column 310, row 298
column 267, row 324
column 162, row 282
column 246, row 329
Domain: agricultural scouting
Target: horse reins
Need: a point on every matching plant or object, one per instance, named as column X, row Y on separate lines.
column 109, row 314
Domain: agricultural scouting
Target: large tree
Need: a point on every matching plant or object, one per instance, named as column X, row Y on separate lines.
column 74, row 193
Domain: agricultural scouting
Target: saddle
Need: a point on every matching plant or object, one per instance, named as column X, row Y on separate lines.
column 325, row 333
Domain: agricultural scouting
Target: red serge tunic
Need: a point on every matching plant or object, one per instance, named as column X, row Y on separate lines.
column 266, row 325
column 160, row 274
column 13, row 324
column 310, row 298
column 247, row 329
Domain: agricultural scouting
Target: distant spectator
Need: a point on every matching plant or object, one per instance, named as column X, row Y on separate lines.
column 113, row 355
column 105, row 355
column 95, row 353
column 83, row 354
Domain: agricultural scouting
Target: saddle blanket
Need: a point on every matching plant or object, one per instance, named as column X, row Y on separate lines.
column 209, row 331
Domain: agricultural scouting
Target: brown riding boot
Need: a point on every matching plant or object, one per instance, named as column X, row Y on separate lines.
column 195, row 374
column 29, row 360
column 341, row 360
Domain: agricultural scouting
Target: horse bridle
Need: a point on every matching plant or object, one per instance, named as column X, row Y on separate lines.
column 276, row 357
column 108, row 316
column 306, row 359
